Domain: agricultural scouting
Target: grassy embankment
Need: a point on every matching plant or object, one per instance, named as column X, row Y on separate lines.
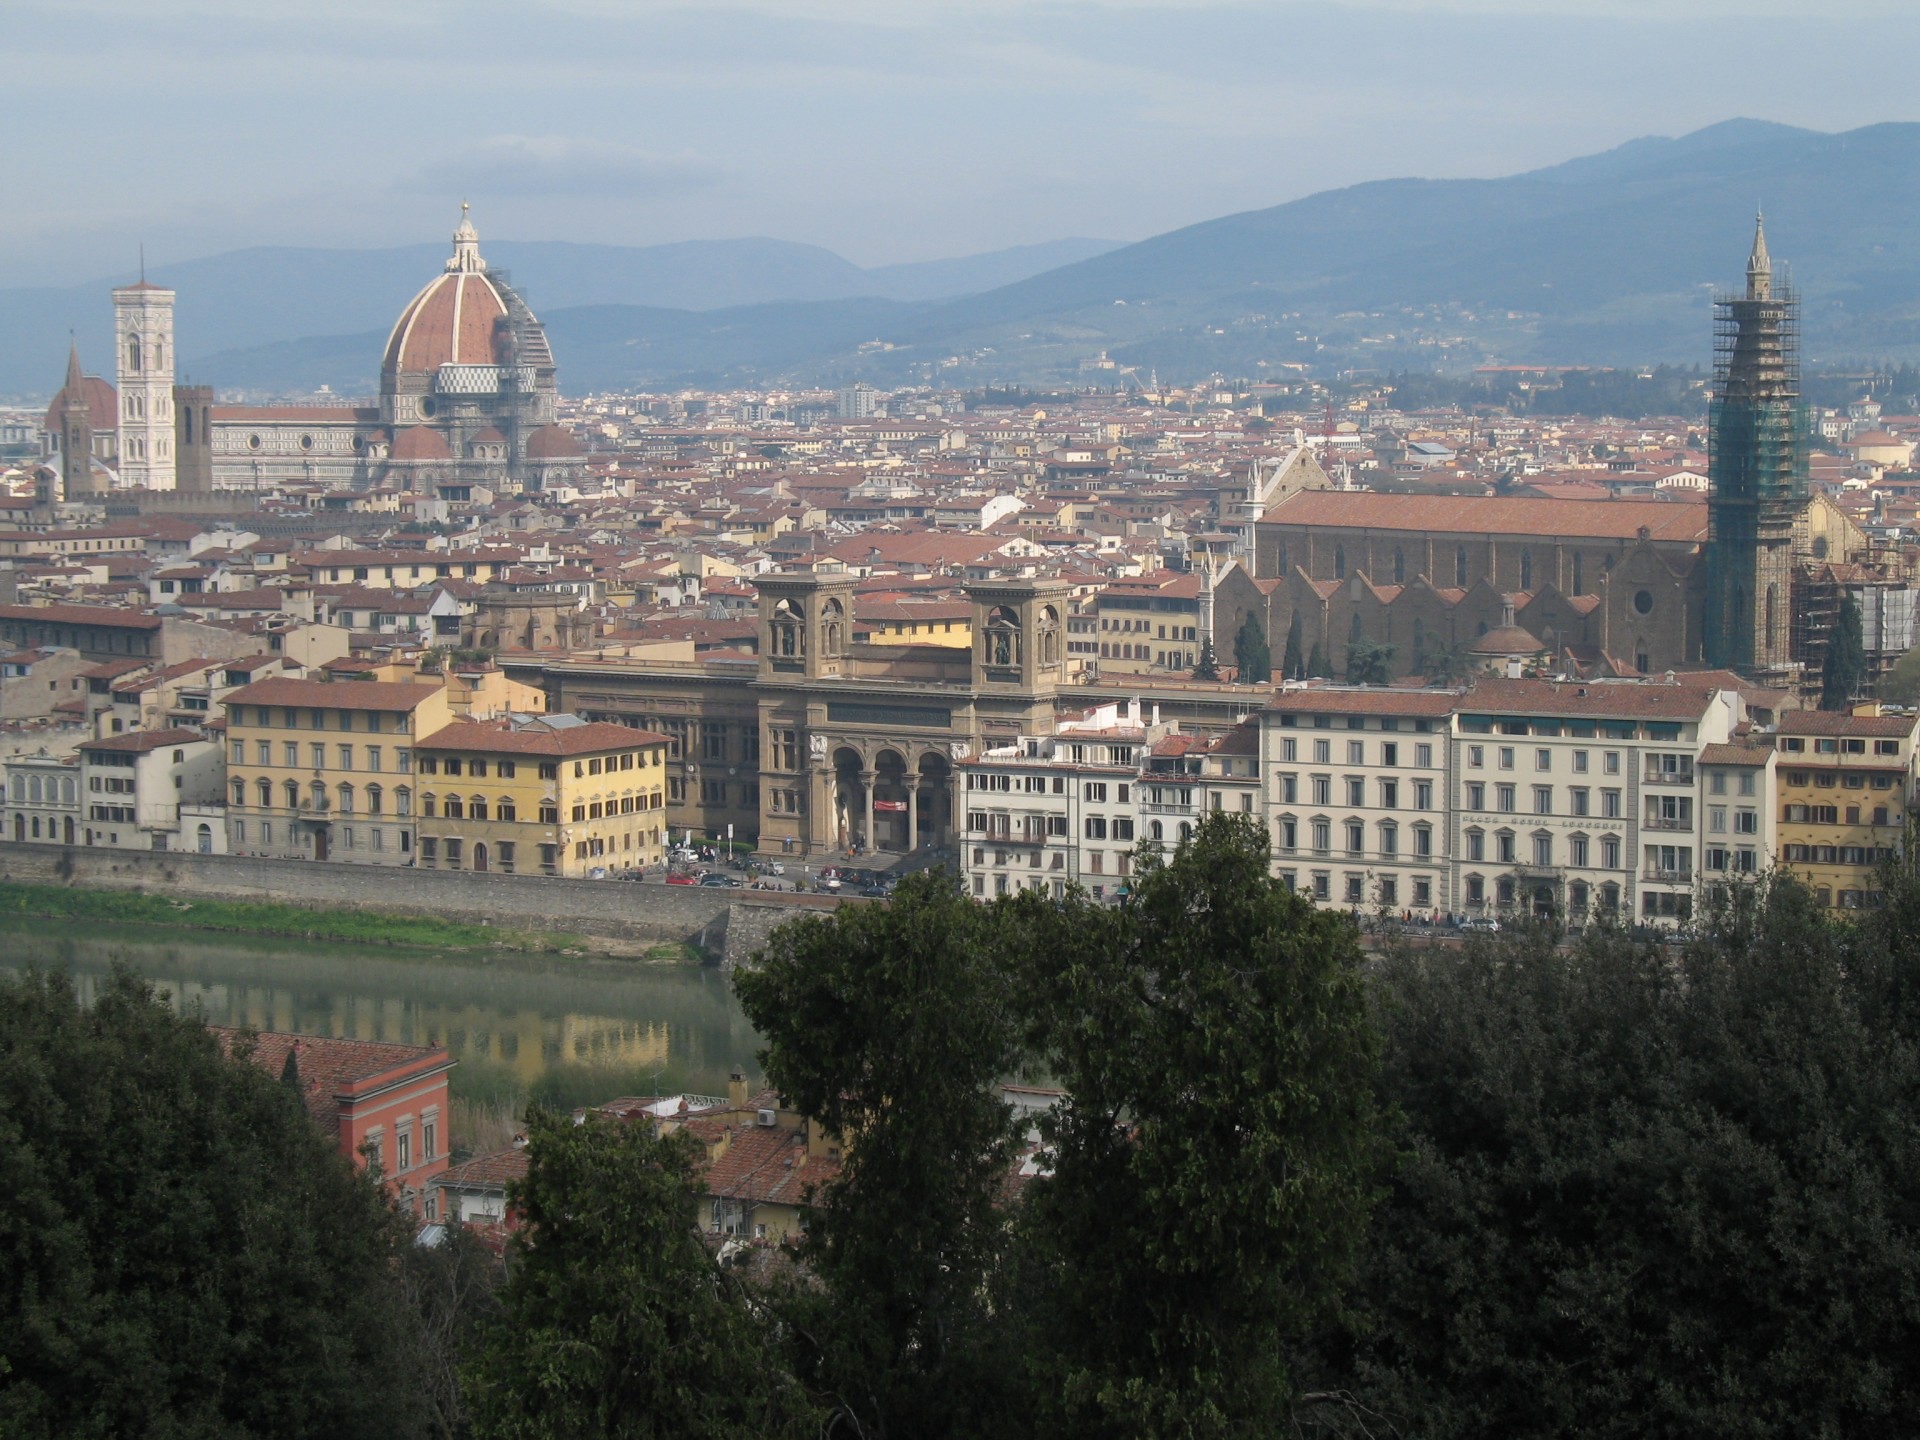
column 257, row 917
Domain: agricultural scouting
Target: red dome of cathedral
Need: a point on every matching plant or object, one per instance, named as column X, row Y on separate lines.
column 419, row 442
column 458, row 319
column 553, row 442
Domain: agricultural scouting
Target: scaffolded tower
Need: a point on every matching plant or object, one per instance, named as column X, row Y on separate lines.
column 1757, row 472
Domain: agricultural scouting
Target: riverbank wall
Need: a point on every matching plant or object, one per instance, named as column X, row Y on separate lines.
column 620, row 916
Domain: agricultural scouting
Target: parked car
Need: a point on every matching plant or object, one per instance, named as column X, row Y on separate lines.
column 876, row 892
column 1483, row 923
column 720, row 879
column 681, row 877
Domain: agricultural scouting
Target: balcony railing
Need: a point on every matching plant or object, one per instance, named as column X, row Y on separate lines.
column 1654, row 872
column 1667, row 777
column 1655, row 822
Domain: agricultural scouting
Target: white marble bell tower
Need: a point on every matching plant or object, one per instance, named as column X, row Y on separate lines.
column 143, row 369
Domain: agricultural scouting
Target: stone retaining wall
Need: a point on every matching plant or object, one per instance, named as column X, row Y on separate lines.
column 725, row 925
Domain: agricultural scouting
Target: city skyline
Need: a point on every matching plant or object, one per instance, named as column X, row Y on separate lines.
column 886, row 134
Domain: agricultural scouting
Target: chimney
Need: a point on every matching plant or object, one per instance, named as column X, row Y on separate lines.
column 737, row 1089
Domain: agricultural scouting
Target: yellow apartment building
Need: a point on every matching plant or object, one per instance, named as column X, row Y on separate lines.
column 541, row 795
column 323, row 769
column 1844, row 785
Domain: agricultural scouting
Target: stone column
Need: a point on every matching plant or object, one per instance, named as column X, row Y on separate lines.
column 913, row 813
column 867, row 777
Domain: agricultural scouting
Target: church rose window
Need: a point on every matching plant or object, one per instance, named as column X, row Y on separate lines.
column 1643, row 602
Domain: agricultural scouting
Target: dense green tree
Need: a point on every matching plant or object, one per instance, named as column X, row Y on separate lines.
column 1213, row 1162
column 1369, row 663
column 616, row 1320
column 1647, row 1194
column 182, row 1251
column 1207, row 667
column 454, row 1290
column 1902, row 682
column 1292, row 665
column 1318, row 665
column 1252, row 655
column 890, row 1025
column 1844, row 675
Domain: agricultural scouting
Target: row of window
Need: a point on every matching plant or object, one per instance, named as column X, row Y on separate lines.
column 1829, row 780
column 374, row 722
column 348, row 837
column 317, row 797
column 1389, row 750
column 1836, row 745
column 1506, row 799
column 1835, row 815
column 1321, row 787
column 373, row 756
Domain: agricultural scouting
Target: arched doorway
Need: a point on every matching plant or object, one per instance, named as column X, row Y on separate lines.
column 933, row 800
column 205, row 838
column 1543, row 902
column 890, row 804
column 849, row 796
column 19, row 829
column 66, row 829
column 479, row 855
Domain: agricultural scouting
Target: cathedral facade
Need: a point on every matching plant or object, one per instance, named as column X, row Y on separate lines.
column 467, row 399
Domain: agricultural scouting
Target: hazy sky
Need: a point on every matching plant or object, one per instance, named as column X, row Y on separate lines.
column 885, row 129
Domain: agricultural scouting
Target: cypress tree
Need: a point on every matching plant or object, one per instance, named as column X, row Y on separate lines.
column 1845, row 673
column 1208, row 667
column 1292, row 666
column 1252, row 656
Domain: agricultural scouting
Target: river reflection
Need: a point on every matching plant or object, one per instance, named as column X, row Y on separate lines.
column 567, row 1030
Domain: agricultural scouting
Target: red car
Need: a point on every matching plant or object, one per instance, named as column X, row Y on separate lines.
column 680, row 877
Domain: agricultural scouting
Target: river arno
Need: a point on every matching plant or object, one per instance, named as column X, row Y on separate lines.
column 565, row 1030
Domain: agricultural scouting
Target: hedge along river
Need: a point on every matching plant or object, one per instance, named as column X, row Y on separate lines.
column 562, row 1030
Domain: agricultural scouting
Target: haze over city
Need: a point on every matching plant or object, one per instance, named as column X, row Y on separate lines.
column 1098, row 720
column 886, row 132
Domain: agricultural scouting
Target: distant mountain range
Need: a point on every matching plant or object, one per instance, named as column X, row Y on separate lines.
column 1606, row 259
column 285, row 317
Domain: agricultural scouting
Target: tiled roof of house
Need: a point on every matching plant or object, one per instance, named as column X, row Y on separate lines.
column 504, row 737
column 329, row 1065
column 1683, row 521
column 335, row 695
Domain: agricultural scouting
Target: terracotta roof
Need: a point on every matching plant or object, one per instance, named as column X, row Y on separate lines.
column 1826, row 722
column 1681, row 521
column 330, row 1066
column 553, row 442
column 139, row 742
column 450, row 322
column 418, row 442
column 1747, row 754
column 1628, row 699
column 502, row 737
column 82, row 615
column 493, row 1171
column 768, row 1165
column 1366, row 700
column 333, row 695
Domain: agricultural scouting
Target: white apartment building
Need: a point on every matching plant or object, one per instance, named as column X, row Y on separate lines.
column 132, row 786
column 42, row 799
column 1357, row 792
column 1576, row 797
column 1739, row 829
column 1067, row 809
